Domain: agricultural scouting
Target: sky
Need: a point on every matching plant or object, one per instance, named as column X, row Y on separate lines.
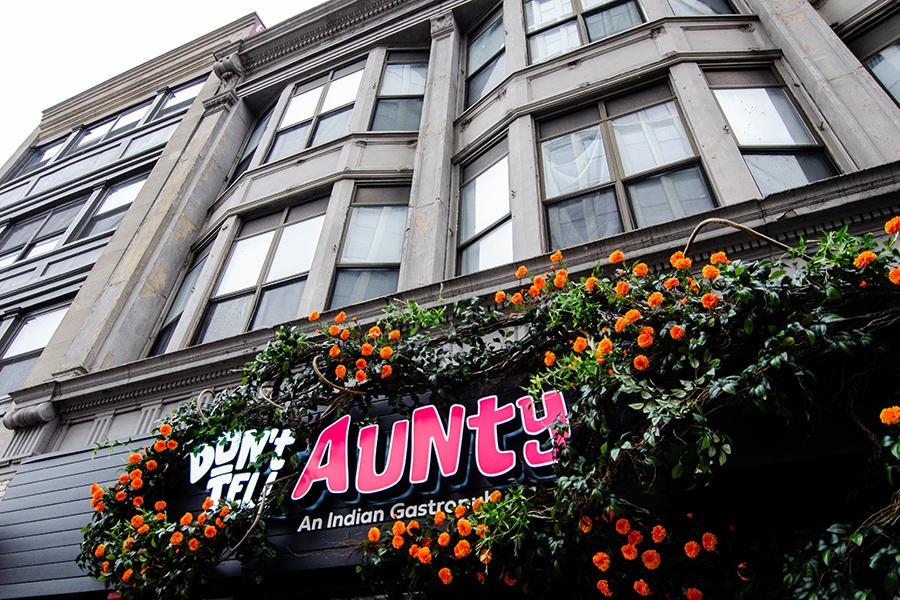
column 54, row 49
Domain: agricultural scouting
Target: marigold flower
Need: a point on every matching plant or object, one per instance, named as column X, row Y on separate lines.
column 445, row 575
column 676, row 257
column 334, row 351
column 670, row 283
column 641, row 362
column 499, row 297
column 394, row 334
column 194, row 544
column 461, row 549
column 134, row 458
column 516, row 298
column 225, row 510
column 340, row 371
column 616, row 257
column 635, row 537
column 549, row 358
column 176, row 538
column 539, row 282
column 709, row 300
column 334, row 330
column 460, row 511
column 171, row 444
column 443, row 539
column 159, row 445
column 137, row 484
column 105, row 566
column 644, row 340
column 603, row 586
column 709, row 541
column 495, row 496
column 345, row 334
column 521, row 272
column 586, row 524
column 651, row 559
column 399, row 528
column 623, row 526
column 120, row 495
column 374, row 332
column 485, row 557
column 361, row 363
column 143, row 528
column 160, row 506
column 138, row 501
column 632, row 315
column 386, row 371
column 640, row 269
column 719, row 258
column 100, row 551
column 160, row 517
column 366, row 350
column 683, row 263
column 136, row 474
column 710, row 272
column 439, row 518
column 210, row 531
column 629, row 552
column 151, row 465
column 534, row 292
column 482, row 530
column 314, row 315
column 123, row 478
column 694, row 594
column 360, row 376
column 622, row 288
column 137, row 521
column 579, row 345
column 464, row 527
column 397, row 542
column 641, row 587
column 424, row 555
column 412, row 525
column 127, row 544
column 621, row 324
column 601, row 561
column 692, row 549
column 414, row 550
column 220, row 523
column 374, row 534
column 340, row 317
column 509, row 579
column 894, row 275
column 127, row 575
column 556, row 256
column 892, row 226
column 559, row 281
column 186, row 519
column 207, row 504
column 890, row 415
column 658, row 534
column 865, row 258
column 201, row 519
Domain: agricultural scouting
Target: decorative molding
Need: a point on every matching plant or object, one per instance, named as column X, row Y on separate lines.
column 221, row 101
column 36, row 414
column 442, row 25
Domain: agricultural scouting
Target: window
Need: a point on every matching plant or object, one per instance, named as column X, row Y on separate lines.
column 180, row 98
column 265, row 274
column 557, row 26
column 886, row 67
column 25, row 347
column 486, row 66
column 700, row 8
column 485, row 221
column 252, row 145
column 369, row 264
column 399, row 103
column 42, row 156
column 176, row 309
column 626, row 162
column 778, row 147
column 112, row 209
column 318, row 112
column 123, row 123
column 37, row 235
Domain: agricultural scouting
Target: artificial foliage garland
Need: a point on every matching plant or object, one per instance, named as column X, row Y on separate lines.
column 648, row 362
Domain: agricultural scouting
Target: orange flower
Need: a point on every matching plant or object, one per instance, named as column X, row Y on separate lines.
column 616, row 257
column 314, row 315
column 539, row 282
column 394, row 334
column 138, row 501
column 683, row 263
column 134, row 458
column 509, row 579
column 556, row 256
column 201, row 519
column 642, row 588
column 345, row 334
column 386, row 371
column 360, row 376
column 340, row 317
column 439, row 518
column 100, row 551
column 220, row 523
column 464, row 527
column 719, row 258
column 165, row 429
column 651, row 559
column 521, row 272
column 137, row 521
column 621, row 323
column 374, row 332
column 603, row 586
column 709, row 541
column 601, row 561
column 462, row 549
column 485, row 557
column 127, row 544
column 366, row 350
column 120, row 495
column 361, row 363
column 171, row 444
column 224, row 512
column 892, row 226
column 516, row 298
column 136, row 474
column 123, row 478
column 176, row 538
column 635, row 537
column 207, row 504
column 397, row 542
column 560, row 280
column 210, row 531
column 632, row 315
column 644, row 340
column 143, row 528
column 890, row 416
column 676, row 257
column 670, row 283
column 445, row 575
column 604, row 347
column 127, row 575
column 640, row 269
column 399, row 528
column 159, row 445
column 495, row 496
column 641, row 362
column 151, row 465
column 482, row 530
column 692, row 549
column 694, row 594
column 676, row 332
column 160, row 517
column 186, row 519
column 160, row 506
column 655, row 299
column 658, row 534
column 894, row 275
column 460, row 511
column 710, row 272
column 334, row 351
column 629, row 552
column 334, row 330
column 414, row 550
column 444, row 539
column 106, row 566
column 374, row 534
column 534, row 292
column 194, row 544
column 412, row 525
column 579, row 345
column 137, row 484
column 865, row 258
column 623, row 526
column 499, row 297
column 586, row 524
column 591, row 283
column 709, row 300
column 622, row 288
column 424, row 555
column 340, row 371
column 100, row 507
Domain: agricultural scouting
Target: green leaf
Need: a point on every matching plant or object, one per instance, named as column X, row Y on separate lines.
column 748, row 326
column 891, row 582
column 857, row 538
column 677, row 471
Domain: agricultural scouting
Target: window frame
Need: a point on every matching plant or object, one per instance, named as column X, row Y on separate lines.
column 499, row 54
column 400, row 58
column 894, row 94
column 15, row 330
column 727, row 3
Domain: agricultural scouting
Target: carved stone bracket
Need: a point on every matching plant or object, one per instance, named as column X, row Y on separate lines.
column 36, row 414
column 229, row 68
column 221, row 101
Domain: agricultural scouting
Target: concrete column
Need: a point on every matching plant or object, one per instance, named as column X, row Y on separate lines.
column 524, row 192
column 728, row 173
column 856, row 110
column 516, row 43
column 425, row 247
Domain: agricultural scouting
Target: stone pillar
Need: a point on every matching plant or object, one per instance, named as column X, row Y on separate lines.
column 524, row 194
column 431, row 198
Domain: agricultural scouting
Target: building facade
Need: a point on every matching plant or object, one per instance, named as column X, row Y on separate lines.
column 158, row 227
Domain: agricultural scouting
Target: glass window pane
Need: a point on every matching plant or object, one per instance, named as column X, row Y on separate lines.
column 777, row 172
column 651, row 138
column 404, row 80
column 573, row 162
column 225, row 318
column 485, row 200
column 255, row 137
column 763, row 117
column 102, row 223
column 886, row 67
column 669, row 196
column 35, row 332
column 278, row 304
column 61, row 218
column 485, row 46
column 244, row 263
column 18, row 235
column 43, row 247
column 121, row 195
column 356, row 285
column 129, row 120
column 493, row 249
column 375, row 234
column 545, row 12
column 7, row 260
column 553, row 42
column 332, row 126
column 489, row 78
column 301, row 107
column 42, row 156
column 342, row 91
column 93, row 135
column 584, row 219
column 181, row 98
column 611, row 21
column 402, row 114
column 184, row 292
column 693, row 8
column 14, row 373
column 296, row 248
column 288, row 142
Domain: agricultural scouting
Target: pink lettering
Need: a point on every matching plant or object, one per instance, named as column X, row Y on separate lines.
column 491, row 460
column 368, row 480
column 427, row 433
column 554, row 409
column 334, row 468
